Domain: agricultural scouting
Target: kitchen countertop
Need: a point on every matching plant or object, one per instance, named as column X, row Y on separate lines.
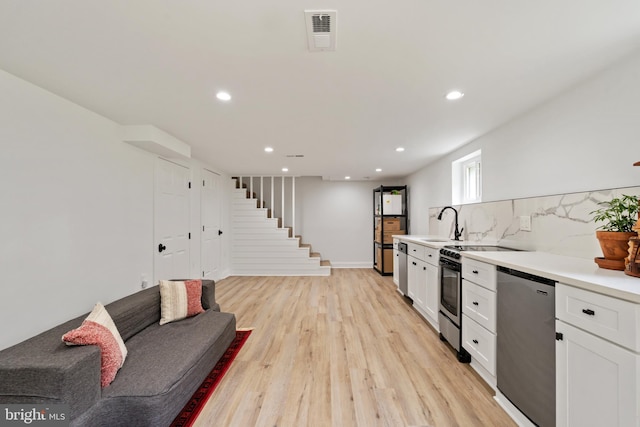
column 426, row 240
column 578, row 272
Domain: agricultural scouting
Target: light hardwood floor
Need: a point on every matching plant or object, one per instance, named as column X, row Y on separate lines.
column 343, row 350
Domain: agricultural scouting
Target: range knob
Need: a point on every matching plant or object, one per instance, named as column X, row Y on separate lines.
column 456, row 255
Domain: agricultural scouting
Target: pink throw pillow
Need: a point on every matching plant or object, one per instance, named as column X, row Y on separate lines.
column 98, row 329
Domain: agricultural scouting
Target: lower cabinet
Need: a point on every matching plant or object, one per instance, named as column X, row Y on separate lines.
column 479, row 317
column 597, row 359
column 480, row 343
column 423, row 276
column 432, row 303
column 396, row 266
column 596, row 381
column 417, row 273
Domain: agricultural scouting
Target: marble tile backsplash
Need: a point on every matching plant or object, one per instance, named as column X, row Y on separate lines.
column 560, row 224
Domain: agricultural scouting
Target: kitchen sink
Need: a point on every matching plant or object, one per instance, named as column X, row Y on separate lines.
column 434, row 240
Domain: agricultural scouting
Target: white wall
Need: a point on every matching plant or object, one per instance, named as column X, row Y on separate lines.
column 77, row 211
column 77, row 204
column 336, row 218
column 583, row 140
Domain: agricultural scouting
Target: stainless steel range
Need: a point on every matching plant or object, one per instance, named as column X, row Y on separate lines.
column 450, row 314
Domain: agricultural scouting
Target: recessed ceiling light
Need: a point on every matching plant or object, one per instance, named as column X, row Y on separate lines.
column 285, row 169
column 223, row 96
column 268, row 149
column 400, row 149
column 454, row 94
column 378, row 170
column 347, row 177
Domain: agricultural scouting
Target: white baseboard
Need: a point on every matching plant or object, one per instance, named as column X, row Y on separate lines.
column 365, row 264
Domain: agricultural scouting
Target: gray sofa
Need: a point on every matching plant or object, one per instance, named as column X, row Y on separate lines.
column 165, row 364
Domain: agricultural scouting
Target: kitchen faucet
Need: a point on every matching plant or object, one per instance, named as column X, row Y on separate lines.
column 456, row 233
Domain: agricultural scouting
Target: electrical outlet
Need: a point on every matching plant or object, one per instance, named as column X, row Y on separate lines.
column 525, row 223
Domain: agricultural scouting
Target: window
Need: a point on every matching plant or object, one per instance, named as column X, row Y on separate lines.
column 467, row 179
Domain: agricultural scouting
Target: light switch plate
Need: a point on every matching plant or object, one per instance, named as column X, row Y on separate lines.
column 525, row 223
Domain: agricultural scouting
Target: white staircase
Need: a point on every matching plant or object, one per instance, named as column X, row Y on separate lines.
column 261, row 247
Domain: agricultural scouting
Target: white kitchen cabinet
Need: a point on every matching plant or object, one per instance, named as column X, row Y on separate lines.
column 480, row 343
column 396, row 262
column 479, row 298
column 596, row 381
column 415, row 250
column 421, row 285
column 479, row 304
column 597, row 359
column 480, row 272
column 432, row 302
column 416, row 272
column 423, row 281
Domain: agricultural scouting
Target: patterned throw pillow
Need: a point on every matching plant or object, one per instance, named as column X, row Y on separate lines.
column 179, row 300
column 98, row 329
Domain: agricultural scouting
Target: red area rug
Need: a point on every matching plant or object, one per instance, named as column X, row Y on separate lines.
column 192, row 409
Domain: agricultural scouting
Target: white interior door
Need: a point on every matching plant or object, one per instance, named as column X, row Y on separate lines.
column 210, row 214
column 171, row 221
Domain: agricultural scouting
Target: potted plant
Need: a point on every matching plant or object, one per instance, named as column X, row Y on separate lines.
column 618, row 216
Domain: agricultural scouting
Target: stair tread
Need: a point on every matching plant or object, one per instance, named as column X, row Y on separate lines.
column 314, row 254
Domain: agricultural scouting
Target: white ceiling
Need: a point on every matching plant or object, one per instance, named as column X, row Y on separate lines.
column 161, row 62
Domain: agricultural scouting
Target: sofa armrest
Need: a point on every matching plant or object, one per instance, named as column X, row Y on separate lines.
column 43, row 369
column 209, row 295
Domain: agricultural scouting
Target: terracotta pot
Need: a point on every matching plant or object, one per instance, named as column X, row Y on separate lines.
column 615, row 246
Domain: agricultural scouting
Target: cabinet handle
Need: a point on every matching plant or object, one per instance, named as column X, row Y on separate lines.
column 475, row 303
column 475, row 271
column 430, row 255
column 475, row 341
column 588, row 312
column 424, row 268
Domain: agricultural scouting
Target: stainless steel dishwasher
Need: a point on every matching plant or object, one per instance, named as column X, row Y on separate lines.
column 402, row 268
column 526, row 346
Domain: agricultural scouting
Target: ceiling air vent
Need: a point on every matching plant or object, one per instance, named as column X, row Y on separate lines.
column 321, row 30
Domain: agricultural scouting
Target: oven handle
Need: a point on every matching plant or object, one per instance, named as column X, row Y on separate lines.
column 452, row 265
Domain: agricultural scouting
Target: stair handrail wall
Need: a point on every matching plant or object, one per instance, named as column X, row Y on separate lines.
column 270, row 187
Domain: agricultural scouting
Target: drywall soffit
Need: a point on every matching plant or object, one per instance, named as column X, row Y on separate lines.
column 154, row 140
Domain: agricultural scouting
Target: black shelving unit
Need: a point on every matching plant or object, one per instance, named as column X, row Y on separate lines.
column 389, row 218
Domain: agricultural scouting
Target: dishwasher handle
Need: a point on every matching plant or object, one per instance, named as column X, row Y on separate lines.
column 528, row 276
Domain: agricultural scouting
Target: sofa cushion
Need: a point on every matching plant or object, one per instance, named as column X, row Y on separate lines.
column 179, row 300
column 98, row 329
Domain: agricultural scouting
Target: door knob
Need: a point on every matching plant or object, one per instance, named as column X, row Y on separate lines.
column 161, row 247
column 219, row 232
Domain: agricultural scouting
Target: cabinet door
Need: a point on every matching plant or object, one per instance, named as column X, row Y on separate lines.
column 596, row 381
column 396, row 266
column 421, row 285
column 432, row 302
column 412, row 277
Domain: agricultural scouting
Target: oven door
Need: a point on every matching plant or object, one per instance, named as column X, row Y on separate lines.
column 450, row 288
